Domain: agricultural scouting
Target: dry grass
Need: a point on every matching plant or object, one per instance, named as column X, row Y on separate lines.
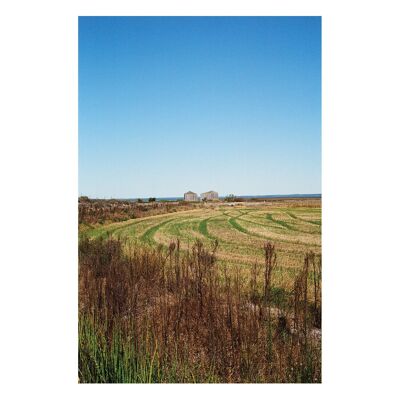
column 92, row 212
column 160, row 314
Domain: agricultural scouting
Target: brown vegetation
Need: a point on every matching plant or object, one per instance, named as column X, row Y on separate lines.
column 168, row 315
column 92, row 212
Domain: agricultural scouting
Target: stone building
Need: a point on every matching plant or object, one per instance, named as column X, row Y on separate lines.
column 211, row 195
column 190, row 196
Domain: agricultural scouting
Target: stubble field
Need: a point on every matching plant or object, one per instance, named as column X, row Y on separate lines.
column 241, row 230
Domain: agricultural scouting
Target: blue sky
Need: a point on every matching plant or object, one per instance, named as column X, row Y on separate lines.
column 231, row 104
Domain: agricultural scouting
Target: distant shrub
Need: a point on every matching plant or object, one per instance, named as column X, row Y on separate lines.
column 233, row 198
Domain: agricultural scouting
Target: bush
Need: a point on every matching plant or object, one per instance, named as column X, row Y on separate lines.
column 83, row 199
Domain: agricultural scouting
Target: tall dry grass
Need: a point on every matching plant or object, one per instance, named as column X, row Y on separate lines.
column 156, row 315
column 94, row 212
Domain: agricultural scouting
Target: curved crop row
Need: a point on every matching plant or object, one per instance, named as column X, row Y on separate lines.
column 281, row 223
column 239, row 231
column 148, row 236
column 314, row 222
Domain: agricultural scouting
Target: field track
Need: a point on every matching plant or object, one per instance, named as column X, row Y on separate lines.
column 241, row 231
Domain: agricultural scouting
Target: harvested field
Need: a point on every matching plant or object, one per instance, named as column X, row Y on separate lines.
column 241, row 229
column 221, row 293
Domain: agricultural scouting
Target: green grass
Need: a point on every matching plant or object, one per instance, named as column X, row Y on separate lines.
column 124, row 361
column 240, row 228
column 279, row 222
column 148, row 236
column 314, row 222
column 204, row 230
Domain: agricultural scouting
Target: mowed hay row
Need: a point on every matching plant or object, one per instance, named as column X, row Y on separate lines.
column 283, row 235
column 133, row 229
column 307, row 215
column 182, row 227
column 240, row 231
column 291, row 220
column 187, row 229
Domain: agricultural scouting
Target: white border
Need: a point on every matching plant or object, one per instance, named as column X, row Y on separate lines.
column 39, row 171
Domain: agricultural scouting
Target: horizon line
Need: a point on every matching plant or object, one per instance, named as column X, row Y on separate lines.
column 224, row 195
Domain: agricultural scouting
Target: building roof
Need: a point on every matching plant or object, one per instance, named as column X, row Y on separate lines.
column 189, row 192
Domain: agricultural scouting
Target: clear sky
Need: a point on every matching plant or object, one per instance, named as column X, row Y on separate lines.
column 168, row 105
